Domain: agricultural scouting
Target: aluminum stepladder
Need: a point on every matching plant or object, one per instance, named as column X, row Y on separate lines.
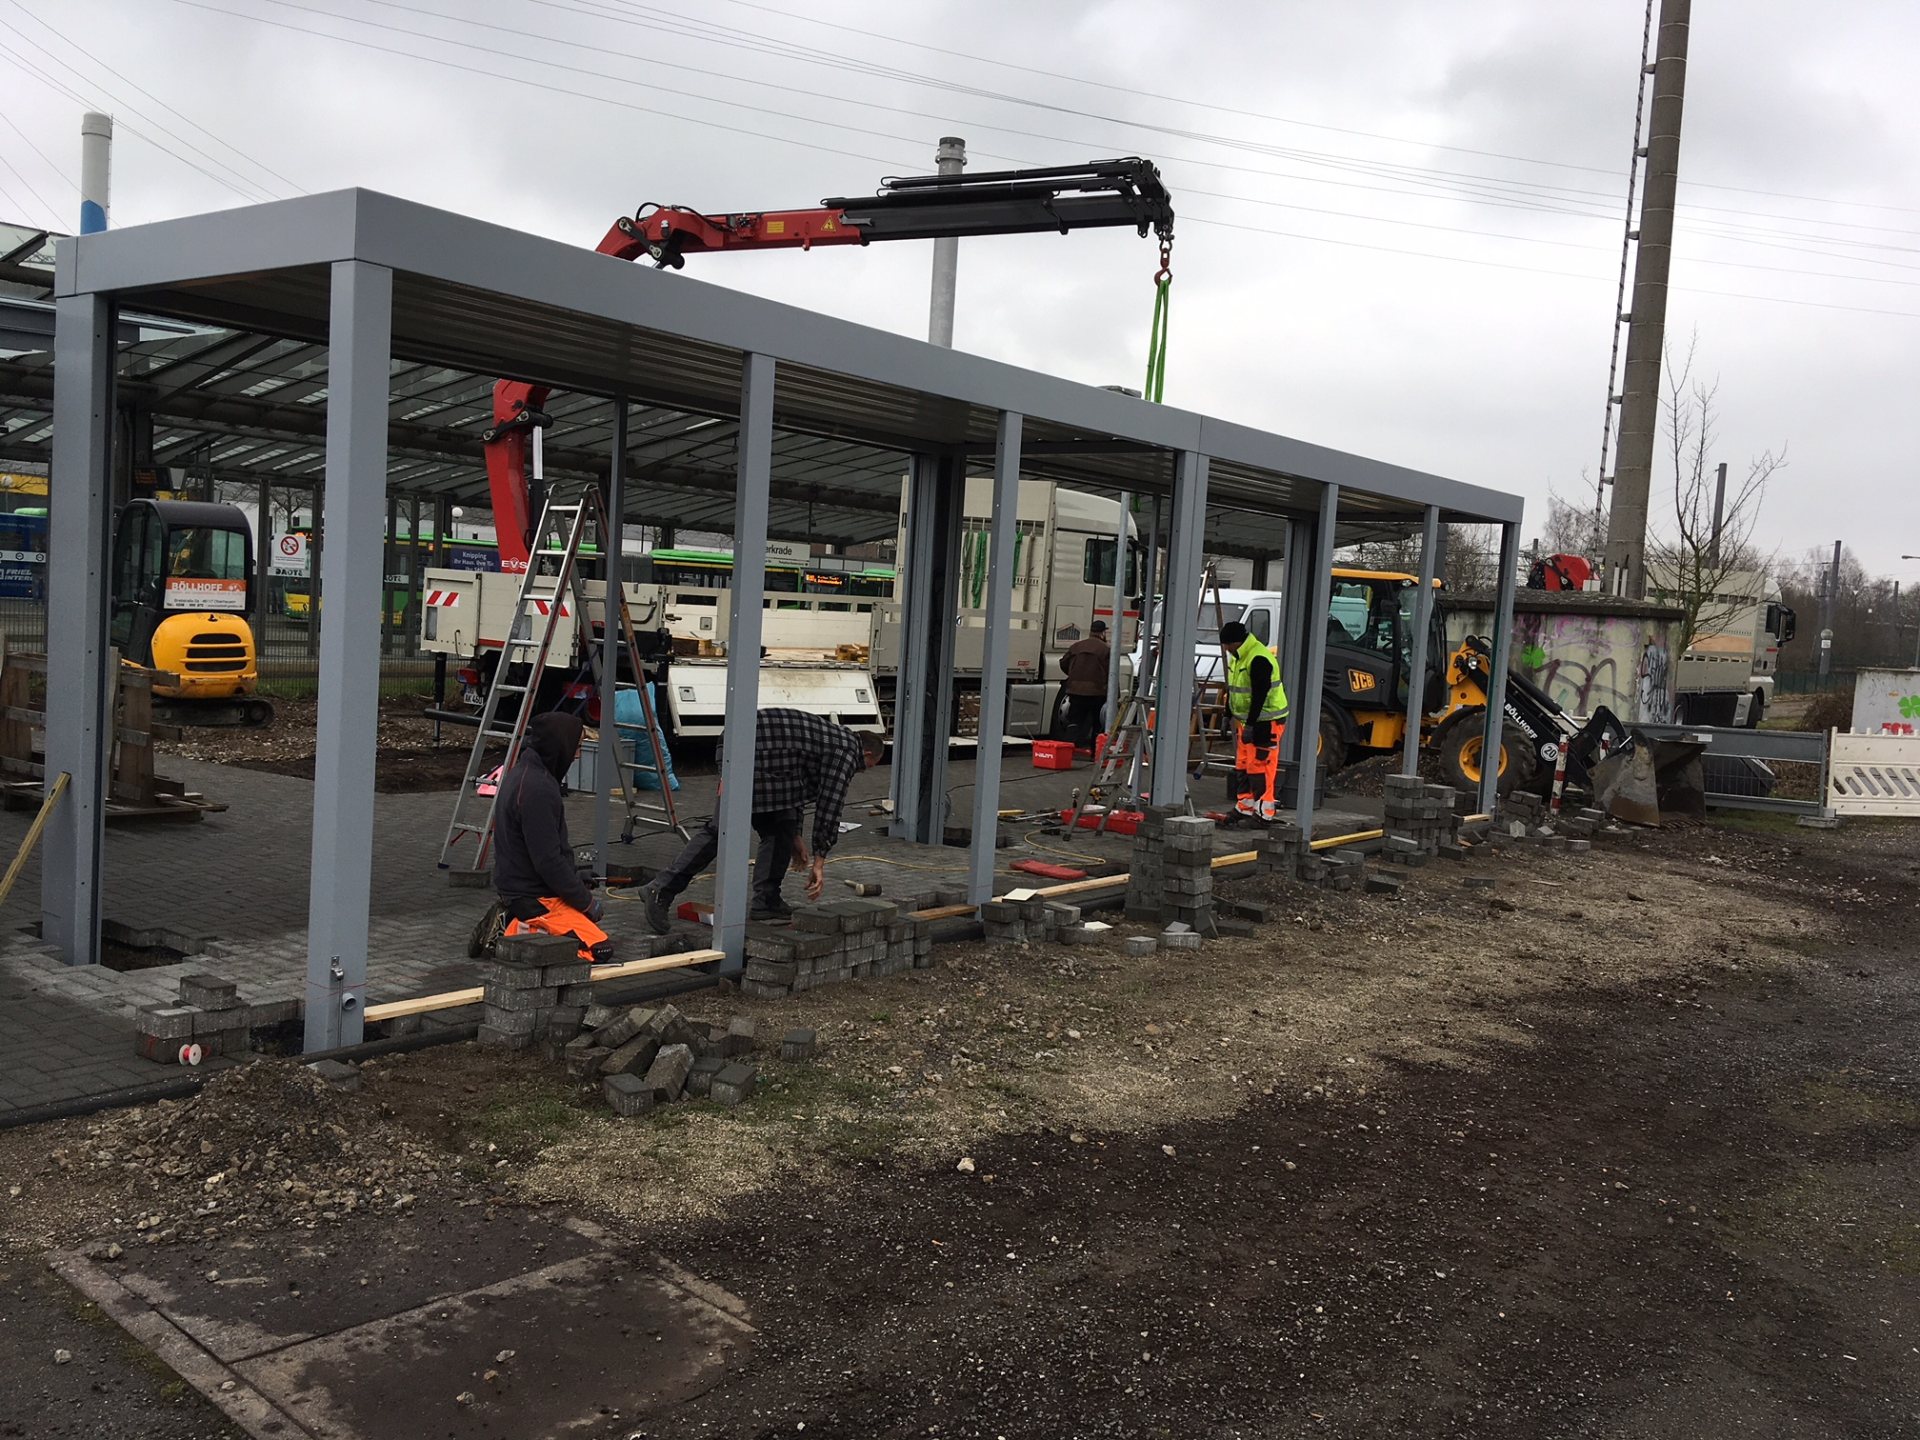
column 544, row 596
column 1130, row 741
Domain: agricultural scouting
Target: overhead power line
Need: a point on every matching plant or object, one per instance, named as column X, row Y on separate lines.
column 1282, row 119
column 217, row 139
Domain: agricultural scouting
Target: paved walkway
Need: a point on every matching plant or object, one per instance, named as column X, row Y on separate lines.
column 230, row 893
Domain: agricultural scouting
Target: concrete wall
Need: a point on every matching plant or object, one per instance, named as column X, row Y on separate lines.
column 1587, row 650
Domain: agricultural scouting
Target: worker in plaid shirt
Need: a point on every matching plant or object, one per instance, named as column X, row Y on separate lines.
column 798, row 760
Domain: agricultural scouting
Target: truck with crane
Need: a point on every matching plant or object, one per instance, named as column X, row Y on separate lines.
column 465, row 614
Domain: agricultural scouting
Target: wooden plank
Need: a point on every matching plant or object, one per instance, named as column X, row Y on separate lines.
column 1079, row 887
column 33, row 834
column 422, row 1005
column 618, row 970
column 17, row 717
column 943, row 912
column 621, row 969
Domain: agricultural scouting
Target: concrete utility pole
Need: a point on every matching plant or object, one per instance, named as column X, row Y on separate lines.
column 96, row 170
column 1719, row 511
column 1626, row 557
column 949, row 159
column 1827, row 603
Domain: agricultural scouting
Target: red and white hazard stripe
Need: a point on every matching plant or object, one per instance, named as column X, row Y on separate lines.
column 544, row 606
column 444, row 599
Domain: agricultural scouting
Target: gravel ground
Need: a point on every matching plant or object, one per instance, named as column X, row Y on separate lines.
column 1630, row 1154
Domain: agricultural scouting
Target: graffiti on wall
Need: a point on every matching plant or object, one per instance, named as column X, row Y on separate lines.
column 1624, row 662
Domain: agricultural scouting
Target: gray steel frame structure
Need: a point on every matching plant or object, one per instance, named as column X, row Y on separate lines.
column 380, row 280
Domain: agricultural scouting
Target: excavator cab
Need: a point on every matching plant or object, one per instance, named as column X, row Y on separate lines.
column 182, row 591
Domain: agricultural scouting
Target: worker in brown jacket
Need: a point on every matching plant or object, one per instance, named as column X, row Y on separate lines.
column 1085, row 666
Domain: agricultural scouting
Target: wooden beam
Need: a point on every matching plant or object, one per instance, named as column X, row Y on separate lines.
column 454, row 999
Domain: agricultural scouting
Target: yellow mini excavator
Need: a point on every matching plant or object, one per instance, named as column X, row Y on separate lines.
column 182, row 594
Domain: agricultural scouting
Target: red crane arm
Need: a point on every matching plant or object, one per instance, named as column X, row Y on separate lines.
column 1008, row 202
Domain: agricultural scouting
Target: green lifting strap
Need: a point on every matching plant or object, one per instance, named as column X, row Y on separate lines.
column 1156, row 387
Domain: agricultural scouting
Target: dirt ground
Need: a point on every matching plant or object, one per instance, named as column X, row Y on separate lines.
column 1628, row 1151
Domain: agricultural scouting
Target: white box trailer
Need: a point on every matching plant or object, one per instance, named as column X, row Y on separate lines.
column 465, row 614
column 1726, row 676
column 1063, row 571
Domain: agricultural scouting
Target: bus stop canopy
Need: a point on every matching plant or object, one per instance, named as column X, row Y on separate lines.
column 379, row 281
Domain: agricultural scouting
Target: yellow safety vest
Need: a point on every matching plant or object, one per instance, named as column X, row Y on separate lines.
column 1240, row 689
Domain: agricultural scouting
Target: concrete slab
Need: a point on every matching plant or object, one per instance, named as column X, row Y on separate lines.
column 522, row 1326
column 233, row 889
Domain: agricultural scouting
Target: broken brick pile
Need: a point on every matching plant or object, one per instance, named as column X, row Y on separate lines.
column 1170, row 874
column 1527, row 818
column 1422, row 821
column 646, row 1057
column 210, row 1019
column 841, row 940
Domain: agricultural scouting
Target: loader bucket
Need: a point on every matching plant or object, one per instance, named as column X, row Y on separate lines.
column 1623, row 786
column 1653, row 778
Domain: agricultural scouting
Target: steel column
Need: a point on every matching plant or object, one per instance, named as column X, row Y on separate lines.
column 316, row 548
column 79, row 686
column 993, row 664
column 1306, row 705
column 1173, row 698
column 346, row 732
column 748, row 595
column 1116, row 632
column 415, row 563
column 608, row 770
column 1497, row 674
column 263, row 552
column 1147, row 676
column 1417, row 660
column 1296, row 599
column 923, row 698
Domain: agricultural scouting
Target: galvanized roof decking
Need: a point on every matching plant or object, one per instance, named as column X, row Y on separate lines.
column 851, row 403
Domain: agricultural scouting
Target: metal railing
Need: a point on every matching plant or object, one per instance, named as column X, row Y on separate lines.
column 1779, row 770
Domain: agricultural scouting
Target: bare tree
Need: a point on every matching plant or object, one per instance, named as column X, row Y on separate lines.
column 1694, row 565
column 1573, row 528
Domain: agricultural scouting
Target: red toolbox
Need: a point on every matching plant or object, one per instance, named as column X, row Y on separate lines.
column 1053, row 755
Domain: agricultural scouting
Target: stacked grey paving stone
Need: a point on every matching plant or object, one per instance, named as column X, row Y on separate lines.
column 1037, row 920
column 1422, row 821
column 533, row 987
column 1285, row 849
column 848, row 939
column 210, row 1014
column 1170, row 874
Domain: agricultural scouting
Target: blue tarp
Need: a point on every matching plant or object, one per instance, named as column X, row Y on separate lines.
column 632, row 724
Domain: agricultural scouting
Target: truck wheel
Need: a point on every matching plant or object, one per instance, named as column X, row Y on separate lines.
column 1460, row 747
column 1757, row 710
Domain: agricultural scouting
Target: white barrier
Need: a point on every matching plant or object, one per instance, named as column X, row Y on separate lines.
column 1874, row 775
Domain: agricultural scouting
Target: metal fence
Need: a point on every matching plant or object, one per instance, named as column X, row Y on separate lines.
column 1780, row 770
column 1812, row 682
column 289, row 647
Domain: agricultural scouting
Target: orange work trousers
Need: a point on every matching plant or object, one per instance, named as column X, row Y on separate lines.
column 563, row 919
column 1256, row 774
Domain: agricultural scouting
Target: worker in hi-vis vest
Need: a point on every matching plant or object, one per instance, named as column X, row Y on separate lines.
column 1258, row 703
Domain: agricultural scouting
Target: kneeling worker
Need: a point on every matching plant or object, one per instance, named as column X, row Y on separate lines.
column 799, row 759
column 533, row 866
column 1258, row 703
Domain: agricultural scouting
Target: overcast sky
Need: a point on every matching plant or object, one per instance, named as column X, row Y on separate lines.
column 1399, row 221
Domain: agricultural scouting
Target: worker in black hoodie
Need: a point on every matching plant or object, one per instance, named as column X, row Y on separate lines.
column 533, row 867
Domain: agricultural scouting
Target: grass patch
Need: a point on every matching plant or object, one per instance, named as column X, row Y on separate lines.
column 1828, row 1103
column 526, row 1117
column 849, row 1119
column 306, row 687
